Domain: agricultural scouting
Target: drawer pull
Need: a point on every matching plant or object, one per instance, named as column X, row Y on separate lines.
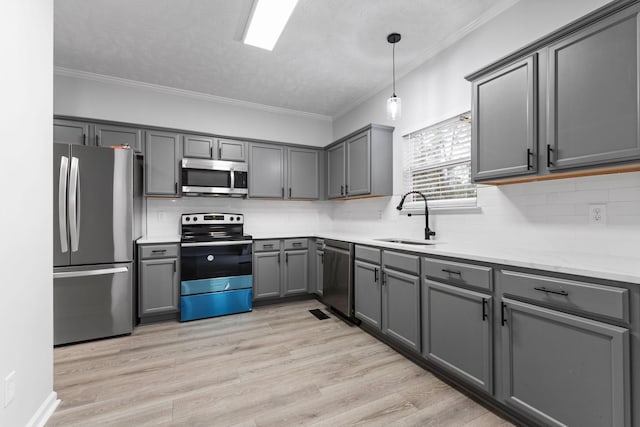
column 446, row 270
column 158, row 251
column 297, row 244
column 551, row 291
column 268, row 246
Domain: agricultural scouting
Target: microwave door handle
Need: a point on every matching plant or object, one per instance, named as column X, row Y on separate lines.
column 233, row 179
column 73, row 204
column 63, row 182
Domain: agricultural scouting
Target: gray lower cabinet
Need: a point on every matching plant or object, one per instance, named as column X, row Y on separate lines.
column 561, row 369
column 401, row 307
column 457, row 332
column 161, row 164
column 367, row 293
column 266, row 171
column 115, row 136
column 303, row 166
column 71, row 132
column 266, row 274
column 296, row 267
column 361, row 163
column 504, row 126
column 158, row 280
column 594, row 98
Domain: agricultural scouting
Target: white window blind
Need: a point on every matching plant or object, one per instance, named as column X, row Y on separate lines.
column 437, row 162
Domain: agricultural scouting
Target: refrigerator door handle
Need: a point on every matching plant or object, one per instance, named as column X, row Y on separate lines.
column 62, row 203
column 73, row 205
column 85, row 273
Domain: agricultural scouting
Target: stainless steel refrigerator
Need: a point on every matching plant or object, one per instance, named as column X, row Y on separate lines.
column 93, row 242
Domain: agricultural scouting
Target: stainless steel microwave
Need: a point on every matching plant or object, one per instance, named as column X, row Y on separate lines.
column 214, row 177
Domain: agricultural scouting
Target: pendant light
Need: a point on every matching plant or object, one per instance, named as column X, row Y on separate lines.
column 394, row 103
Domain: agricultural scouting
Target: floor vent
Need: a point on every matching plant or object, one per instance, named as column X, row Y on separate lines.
column 319, row 314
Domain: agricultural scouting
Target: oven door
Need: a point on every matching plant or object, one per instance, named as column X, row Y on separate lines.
column 215, row 266
column 200, row 176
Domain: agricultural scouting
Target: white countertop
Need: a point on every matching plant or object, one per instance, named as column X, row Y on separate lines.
column 608, row 267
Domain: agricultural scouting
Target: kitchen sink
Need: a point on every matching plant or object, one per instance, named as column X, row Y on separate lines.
column 408, row 241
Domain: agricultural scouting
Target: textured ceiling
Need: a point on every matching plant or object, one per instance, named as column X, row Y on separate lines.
column 332, row 54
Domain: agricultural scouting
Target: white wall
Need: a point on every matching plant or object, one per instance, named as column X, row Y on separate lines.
column 84, row 95
column 545, row 215
column 26, row 299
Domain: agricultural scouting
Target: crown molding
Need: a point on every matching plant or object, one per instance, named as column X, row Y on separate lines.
column 102, row 78
column 433, row 51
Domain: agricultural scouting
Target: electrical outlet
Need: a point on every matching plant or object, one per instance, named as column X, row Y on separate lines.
column 9, row 388
column 598, row 214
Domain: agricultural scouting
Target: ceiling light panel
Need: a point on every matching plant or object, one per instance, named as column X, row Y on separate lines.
column 267, row 22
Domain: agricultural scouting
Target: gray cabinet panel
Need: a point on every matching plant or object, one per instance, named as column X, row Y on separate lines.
column 457, row 273
column 367, row 303
column 367, row 253
column 303, row 173
column 199, row 147
column 296, row 271
column 266, row 275
column 336, row 171
column 456, row 332
column 504, row 121
column 319, row 272
column 114, row 136
column 593, row 94
column 358, row 165
column 70, row 132
column 401, row 307
column 161, row 163
column 401, row 261
column 565, row 370
column 158, row 251
column 266, row 171
column 159, row 286
column 232, row 150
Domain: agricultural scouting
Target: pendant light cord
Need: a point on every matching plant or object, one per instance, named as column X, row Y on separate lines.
column 394, row 69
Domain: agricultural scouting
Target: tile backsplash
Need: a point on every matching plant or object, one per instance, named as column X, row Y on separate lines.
column 545, row 215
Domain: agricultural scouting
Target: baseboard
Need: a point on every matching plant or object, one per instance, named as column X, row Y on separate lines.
column 45, row 411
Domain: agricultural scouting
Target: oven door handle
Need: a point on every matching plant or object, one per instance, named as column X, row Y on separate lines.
column 225, row 243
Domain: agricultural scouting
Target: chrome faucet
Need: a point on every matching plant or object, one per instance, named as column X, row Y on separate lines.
column 427, row 231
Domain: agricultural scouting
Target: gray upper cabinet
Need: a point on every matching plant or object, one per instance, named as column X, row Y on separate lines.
column 358, row 165
column 161, row 163
column 198, row 147
column 594, row 82
column 266, row 274
column 266, row 171
column 561, row 369
column 361, row 163
column 229, row 149
column 71, row 132
column 114, row 136
column 505, row 121
column 367, row 299
column 303, row 173
column 336, row 157
column 401, row 307
column 456, row 332
column 296, row 266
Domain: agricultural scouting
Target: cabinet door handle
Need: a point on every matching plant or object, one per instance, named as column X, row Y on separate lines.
column 286, row 258
column 97, row 139
column 278, row 257
column 484, row 309
column 175, row 187
column 549, row 151
column 342, row 190
column 458, row 273
column 551, row 291
column 529, row 155
column 282, row 192
column 219, row 152
column 322, row 258
column 211, row 151
column 503, row 316
column 346, row 189
column 289, row 192
column 84, row 139
column 375, row 275
column 174, row 266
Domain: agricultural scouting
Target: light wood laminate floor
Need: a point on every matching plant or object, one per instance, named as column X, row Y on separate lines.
column 275, row 366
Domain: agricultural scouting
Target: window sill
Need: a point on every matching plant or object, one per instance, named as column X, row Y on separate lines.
column 445, row 210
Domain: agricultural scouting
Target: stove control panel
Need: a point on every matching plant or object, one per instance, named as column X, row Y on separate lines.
column 212, row 218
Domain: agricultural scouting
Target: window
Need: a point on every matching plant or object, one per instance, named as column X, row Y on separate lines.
column 437, row 162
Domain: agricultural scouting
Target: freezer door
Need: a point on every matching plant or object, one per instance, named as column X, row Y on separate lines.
column 61, row 252
column 92, row 302
column 100, row 205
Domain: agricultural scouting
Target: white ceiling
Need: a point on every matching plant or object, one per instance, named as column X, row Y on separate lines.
column 332, row 54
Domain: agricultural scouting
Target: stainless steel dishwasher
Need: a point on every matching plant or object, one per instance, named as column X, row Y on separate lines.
column 338, row 277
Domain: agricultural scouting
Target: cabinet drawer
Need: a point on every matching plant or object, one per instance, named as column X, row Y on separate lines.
column 476, row 276
column 401, row 261
column 367, row 253
column 590, row 298
column 158, row 251
column 266, row 245
column 296, row 244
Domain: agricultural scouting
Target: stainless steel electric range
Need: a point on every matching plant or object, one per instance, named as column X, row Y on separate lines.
column 216, row 270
